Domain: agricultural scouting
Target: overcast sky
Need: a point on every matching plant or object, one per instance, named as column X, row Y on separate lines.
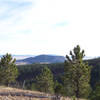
column 49, row 26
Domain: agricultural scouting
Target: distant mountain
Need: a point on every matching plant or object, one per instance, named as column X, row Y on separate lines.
column 19, row 57
column 41, row 59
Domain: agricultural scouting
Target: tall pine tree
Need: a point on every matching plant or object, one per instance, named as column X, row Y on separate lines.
column 95, row 94
column 45, row 81
column 8, row 69
column 77, row 74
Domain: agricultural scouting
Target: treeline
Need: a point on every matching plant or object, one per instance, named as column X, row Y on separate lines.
column 29, row 72
column 75, row 77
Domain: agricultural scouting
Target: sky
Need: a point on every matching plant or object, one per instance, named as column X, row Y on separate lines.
column 49, row 26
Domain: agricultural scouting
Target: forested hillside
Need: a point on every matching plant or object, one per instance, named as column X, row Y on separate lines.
column 29, row 72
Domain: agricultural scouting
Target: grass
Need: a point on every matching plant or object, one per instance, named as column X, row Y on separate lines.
column 10, row 90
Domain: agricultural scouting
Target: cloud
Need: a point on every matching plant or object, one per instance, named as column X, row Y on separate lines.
column 49, row 26
column 62, row 24
column 12, row 14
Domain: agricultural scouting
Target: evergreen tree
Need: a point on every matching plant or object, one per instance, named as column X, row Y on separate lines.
column 77, row 74
column 33, row 87
column 8, row 69
column 45, row 81
column 59, row 88
column 95, row 94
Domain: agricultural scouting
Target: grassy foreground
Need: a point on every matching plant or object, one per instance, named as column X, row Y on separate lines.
column 8, row 93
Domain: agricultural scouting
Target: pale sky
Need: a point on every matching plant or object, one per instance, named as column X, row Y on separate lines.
column 49, row 26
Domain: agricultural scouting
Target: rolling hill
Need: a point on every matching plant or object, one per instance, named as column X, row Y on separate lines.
column 42, row 59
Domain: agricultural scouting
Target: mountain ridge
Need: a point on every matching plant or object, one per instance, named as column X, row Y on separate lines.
column 41, row 59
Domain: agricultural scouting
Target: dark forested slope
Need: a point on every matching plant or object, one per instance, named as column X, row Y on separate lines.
column 29, row 72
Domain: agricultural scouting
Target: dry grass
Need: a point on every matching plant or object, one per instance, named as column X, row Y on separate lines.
column 14, row 90
column 16, row 98
column 67, row 98
column 20, row 98
column 26, row 98
column 9, row 89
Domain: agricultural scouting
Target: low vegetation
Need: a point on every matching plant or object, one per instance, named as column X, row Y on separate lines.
column 8, row 91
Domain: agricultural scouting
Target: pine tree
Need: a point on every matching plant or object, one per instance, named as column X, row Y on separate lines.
column 45, row 81
column 95, row 94
column 77, row 74
column 59, row 88
column 8, row 69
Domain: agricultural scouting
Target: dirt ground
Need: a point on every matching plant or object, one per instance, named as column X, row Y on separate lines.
column 15, row 91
